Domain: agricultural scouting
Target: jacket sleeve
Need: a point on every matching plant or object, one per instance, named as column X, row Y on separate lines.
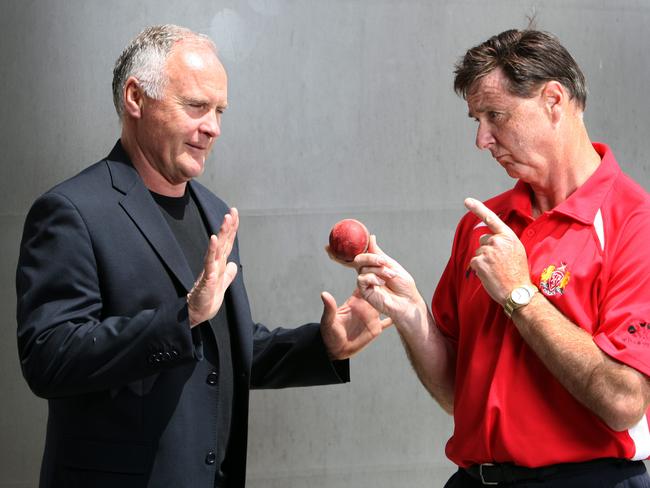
column 293, row 357
column 67, row 343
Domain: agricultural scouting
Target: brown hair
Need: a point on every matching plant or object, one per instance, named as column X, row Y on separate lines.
column 527, row 58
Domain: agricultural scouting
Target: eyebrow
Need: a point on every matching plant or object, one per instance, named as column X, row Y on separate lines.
column 202, row 101
column 486, row 107
column 190, row 100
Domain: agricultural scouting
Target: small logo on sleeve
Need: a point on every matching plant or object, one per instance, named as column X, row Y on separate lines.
column 641, row 327
column 638, row 334
column 554, row 280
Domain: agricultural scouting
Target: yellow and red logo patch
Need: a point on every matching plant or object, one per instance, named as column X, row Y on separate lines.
column 554, row 280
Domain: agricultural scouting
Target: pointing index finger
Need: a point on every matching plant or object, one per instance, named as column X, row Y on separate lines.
column 493, row 222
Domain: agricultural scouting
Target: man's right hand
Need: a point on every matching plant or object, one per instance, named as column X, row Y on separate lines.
column 206, row 296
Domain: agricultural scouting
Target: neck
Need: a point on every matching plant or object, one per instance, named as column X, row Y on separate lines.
column 570, row 168
column 151, row 177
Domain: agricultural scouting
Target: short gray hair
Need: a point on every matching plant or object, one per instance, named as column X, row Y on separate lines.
column 145, row 58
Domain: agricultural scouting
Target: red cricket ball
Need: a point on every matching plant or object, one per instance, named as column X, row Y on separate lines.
column 348, row 238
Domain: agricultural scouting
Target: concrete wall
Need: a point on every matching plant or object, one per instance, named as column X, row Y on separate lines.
column 337, row 109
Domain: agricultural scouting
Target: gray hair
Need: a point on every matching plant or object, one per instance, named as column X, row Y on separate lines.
column 145, row 58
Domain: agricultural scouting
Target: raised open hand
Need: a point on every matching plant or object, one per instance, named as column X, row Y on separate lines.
column 206, row 296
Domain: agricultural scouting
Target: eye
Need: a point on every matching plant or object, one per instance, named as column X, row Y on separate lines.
column 495, row 115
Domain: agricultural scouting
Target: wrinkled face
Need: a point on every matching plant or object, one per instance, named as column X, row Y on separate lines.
column 517, row 131
column 177, row 132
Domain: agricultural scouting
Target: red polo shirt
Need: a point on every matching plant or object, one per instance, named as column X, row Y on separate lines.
column 590, row 257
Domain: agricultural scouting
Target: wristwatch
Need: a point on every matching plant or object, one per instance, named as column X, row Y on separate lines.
column 519, row 297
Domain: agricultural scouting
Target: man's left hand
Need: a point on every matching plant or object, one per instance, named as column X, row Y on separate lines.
column 349, row 328
column 500, row 262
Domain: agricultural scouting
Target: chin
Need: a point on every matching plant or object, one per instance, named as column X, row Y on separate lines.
column 193, row 167
column 511, row 171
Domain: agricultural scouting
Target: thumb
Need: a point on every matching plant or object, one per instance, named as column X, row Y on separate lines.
column 329, row 308
column 373, row 247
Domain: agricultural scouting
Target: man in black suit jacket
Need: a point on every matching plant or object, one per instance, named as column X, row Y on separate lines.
column 147, row 369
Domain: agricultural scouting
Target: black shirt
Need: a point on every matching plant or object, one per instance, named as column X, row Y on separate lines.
column 189, row 227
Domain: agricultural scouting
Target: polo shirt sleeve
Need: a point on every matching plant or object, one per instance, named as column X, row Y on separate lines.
column 623, row 330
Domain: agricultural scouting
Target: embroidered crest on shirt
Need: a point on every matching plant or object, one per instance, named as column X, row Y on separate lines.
column 554, row 280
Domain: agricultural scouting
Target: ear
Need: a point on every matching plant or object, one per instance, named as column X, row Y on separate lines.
column 133, row 98
column 554, row 98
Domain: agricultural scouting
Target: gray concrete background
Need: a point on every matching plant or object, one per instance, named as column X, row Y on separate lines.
column 337, row 109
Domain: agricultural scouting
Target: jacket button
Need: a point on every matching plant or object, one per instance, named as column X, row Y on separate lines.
column 210, row 457
column 167, row 356
column 175, row 354
column 212, row 379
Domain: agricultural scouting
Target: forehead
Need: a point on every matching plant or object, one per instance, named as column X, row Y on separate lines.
column 193, row 64
column 488, row 92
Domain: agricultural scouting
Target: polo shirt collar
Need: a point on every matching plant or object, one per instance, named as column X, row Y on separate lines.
column 520, row 200
column 584, row 203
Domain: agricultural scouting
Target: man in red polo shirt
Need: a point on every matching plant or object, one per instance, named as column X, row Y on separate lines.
column 538, row 339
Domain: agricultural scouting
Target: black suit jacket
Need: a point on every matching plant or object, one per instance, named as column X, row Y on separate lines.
column 103, row 334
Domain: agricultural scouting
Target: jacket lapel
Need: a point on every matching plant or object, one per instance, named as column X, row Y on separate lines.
column 145, row 214
column 213, row 218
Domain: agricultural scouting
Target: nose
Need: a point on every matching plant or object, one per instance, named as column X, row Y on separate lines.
column 211, row 124
column 484, row 137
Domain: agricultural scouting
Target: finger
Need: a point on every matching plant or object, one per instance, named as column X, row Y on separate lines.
column 381, row 271
column 329, row 308
column 234, row 226
column 347, row 264
column 224, row 229
column 210, row 256
column 367, row 280
column 493, row 222
column 371, row 269
column 377, row 257
column 385, row 323
column 476, row 264
column 369, row 260
column 227, row 233
column 484, row 239
column 372, row 245
column 235, row 216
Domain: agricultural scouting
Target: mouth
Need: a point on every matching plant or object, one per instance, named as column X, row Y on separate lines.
column 502, row 159
column 197, row 147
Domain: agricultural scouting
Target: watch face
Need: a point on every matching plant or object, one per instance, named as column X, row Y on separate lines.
column 521, row 296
